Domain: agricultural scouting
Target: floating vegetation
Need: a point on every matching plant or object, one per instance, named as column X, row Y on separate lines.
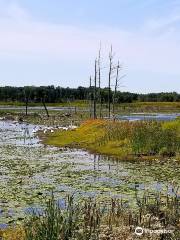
column 156, row 215
column 28, row 172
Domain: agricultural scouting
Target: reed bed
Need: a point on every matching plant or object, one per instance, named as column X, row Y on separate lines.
column 144, row 137
column 110, row 219
column 90, row 219
column 123, row 139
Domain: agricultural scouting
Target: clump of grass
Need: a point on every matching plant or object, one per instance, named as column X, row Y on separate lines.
column 90, row 219
column 123, row 139
column 146, row 137
column 108, row 219
column 53, row 224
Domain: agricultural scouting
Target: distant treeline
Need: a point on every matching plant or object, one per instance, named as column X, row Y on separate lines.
column 53, row 94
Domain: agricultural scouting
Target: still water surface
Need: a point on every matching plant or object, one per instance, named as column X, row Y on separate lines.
column 29, row 170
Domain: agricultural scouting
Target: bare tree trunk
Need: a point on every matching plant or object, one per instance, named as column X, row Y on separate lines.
column 44, row 104
column 26, row 106
column 69, row 103
column 109, row 82
column 116, row 86
column 27, row 95
column 99, row 76
column 95, row 86
column 90, row 97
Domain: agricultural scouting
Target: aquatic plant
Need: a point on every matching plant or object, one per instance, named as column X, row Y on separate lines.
column 123, row 139
column 90, row 219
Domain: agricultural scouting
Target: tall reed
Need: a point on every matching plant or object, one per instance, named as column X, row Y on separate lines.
column 90, row 219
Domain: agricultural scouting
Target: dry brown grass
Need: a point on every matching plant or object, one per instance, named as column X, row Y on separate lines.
column 12, row 233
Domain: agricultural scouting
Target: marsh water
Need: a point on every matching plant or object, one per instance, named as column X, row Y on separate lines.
column 129, row 117
column 147, row 116
column 20, row 108
column 29, row 170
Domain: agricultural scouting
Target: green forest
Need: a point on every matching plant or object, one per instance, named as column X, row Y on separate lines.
column 52, row 94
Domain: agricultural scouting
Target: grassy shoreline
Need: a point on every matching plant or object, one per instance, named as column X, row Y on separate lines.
column 123, row 140
column 134, row 106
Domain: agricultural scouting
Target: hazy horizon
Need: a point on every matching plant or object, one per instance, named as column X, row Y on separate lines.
column 55, row 43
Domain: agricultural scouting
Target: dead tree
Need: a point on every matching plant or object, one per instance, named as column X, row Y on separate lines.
column 109, row 81
column 117, row 80
column 116, row 86
column 99, row 80
column 27, row 100
column 27, row 94
column 44, row 104
column 90, row 97
column 95, row 89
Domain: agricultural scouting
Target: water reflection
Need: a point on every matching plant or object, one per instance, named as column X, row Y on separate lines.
column 14, row 133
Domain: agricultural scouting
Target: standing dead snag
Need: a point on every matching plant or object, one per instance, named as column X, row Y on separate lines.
column 27, row 96
column 95, row 86
column 26, row 105
column 116, row 86
column 109, row 81
column 117, row 80
column 99, row 79
column 90, row 97
column 98, row 92
column 44, row 104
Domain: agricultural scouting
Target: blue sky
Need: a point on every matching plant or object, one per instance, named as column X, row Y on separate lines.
column 55, row 42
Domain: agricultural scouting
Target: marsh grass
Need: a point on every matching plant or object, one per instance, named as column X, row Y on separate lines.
column 146, row 137
column 90, row 219
column 123, row 139
column 120, row 107
column 108, row 219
